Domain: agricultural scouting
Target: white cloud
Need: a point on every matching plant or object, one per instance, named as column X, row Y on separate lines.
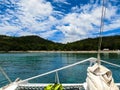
column 113, row 19
column 48, row 34
column 8, row 29
column 36, row 7
column 114, row 25
column 62, row 1
column 110, row 12
column 25, row 33
column 70, row 38
column 35, row 15
column 81, row 25
column 59, row 0
column 38, row 17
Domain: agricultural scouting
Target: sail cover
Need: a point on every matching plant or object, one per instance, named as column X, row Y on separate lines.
column 100, row 78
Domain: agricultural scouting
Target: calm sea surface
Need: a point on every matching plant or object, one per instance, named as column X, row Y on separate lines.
column 25, row 65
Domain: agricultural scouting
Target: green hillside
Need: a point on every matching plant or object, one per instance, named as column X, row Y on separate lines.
column 25, row 43
column 109, row 42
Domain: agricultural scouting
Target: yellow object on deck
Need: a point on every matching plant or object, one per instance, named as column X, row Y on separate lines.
column 54, row 87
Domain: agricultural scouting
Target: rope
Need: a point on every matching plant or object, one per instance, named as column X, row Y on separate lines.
column 111, row 63
column 3, row 72
column 56, row 70
column 101, row 29
column 57, row 78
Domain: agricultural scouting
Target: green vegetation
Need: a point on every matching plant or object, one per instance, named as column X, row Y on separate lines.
column 25, row 43
column 109, row 42
column 35, row 43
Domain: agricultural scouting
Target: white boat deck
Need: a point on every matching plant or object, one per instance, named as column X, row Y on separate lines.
column 42, row 86
column 33, row 86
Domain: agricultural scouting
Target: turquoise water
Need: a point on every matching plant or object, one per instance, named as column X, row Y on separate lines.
column 25, row 65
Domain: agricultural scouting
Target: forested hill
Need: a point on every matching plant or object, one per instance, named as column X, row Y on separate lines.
column 35, row 43
column 25, row 43
column 109, row 42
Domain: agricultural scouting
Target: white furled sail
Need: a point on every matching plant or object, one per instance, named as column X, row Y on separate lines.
column 100, row 78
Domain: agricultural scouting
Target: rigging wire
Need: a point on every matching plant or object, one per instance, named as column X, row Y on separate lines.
column 6, row 76
column 56, row 70
column 101, row 30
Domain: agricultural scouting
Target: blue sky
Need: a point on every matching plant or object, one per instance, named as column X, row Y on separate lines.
column 58, row 20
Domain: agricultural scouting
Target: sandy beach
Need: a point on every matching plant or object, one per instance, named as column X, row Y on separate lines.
column 108, row 51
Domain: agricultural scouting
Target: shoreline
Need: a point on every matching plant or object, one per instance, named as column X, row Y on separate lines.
column 103, row 51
